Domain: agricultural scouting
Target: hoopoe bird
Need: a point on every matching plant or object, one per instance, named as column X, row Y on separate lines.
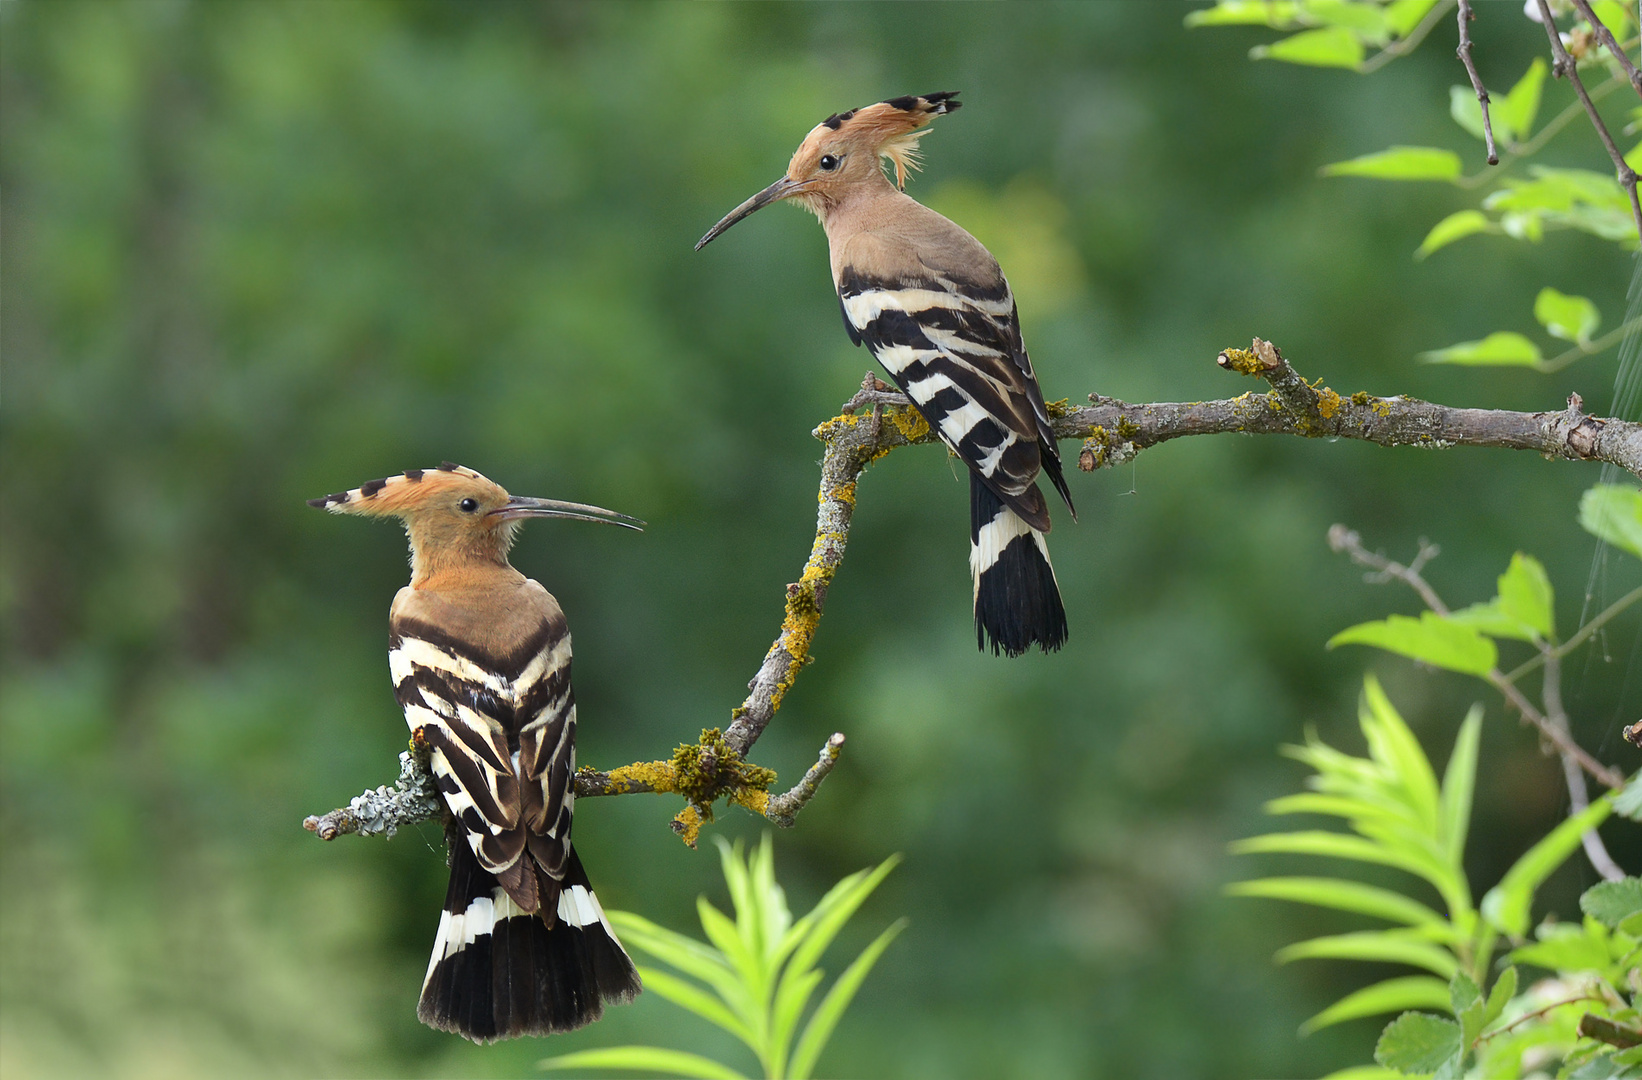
column 934, row 309
column 480, row 660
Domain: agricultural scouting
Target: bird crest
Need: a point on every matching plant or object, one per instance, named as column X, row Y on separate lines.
column 890, row 128
column 411, row 490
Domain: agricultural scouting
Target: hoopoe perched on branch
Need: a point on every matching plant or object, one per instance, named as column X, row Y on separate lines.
column 931, row 304
column 480, row 659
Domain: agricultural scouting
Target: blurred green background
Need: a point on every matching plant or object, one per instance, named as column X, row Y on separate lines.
column 257, row 252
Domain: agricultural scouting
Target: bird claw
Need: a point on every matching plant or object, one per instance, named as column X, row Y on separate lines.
column 877, row 393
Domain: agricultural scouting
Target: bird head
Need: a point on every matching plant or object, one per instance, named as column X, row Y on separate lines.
column 843, row 151
column 455, row 517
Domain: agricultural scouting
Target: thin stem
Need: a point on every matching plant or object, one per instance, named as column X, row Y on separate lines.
column 1408, row 44
column 1578, row 798
column 1581, row 637
column 1464, row 53
column 1515, row 152
column 1536, row 1014
column 1580, row 351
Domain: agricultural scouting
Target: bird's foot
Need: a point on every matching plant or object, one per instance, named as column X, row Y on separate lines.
column 877, row 393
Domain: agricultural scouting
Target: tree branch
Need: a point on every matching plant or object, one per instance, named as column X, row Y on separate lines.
column 1112, row 431
column 1564, row 65
column 1605, row 36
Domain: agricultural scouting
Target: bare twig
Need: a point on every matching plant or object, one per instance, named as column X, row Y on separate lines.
column 1564, row 66
column 1464, row 53
column 1602, row 1029
column 1536, row 1014
column 1578, row 797
column 1605, row 36
column 1346, row 540
column 1580, row 638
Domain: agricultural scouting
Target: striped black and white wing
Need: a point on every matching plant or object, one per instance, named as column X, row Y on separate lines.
column 502, row 736
column 955, row 349
column 463, row 708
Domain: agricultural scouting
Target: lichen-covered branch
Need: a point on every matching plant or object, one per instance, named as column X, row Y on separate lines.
column 1112, row 432
column 384, row 810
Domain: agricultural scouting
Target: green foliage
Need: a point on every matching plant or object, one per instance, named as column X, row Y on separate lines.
column 1514, row 206
column 1341, row 31
column 1402, row 817
column 756, row 978
column 1571, row 318
column 1524, row 609
column 1502, row 347
column 1401, row 163
column 1613, row 514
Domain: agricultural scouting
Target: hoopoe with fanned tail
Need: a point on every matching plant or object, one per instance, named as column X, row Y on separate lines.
column 480, row 660
column 931, row 304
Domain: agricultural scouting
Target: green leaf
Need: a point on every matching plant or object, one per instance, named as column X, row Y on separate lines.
column 1279, row 14
column 1507, row 904
column 1503, row 347
column 1392, row 744
column 1458, row 787
column 789, row 1005
column 1401, row 163
column 834, row 910
column 1611, row 902
column 1340, row 846
column 1333, row 46
column 1418, row 1043
column 684, row 953
column 1392, row 995
column 1562, row 947
column 1505, row 988
column 1455, row 226
column 1364, row 1072
column 837, row 999
column 1466, row 110
column 1366, row 20
column 1525, row 595
column 645, row 1058
column 687, row 995
column 1492, row 620
column 1571, row 318
column 1465, row 999
column 1430, row 639
column 1518, row 108
column 1402, row 16
column 1628, row 802
column 1342, row 895
column 1613, row 514
column 1384, row 946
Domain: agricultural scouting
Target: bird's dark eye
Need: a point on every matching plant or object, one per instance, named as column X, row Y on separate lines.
column 828, row 163
column 468, row 506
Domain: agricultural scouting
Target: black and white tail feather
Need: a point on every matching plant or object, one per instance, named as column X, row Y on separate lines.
column 1017, row 599
column 498, row 972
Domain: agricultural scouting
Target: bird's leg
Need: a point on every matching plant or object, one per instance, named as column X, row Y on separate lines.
column 874, row 391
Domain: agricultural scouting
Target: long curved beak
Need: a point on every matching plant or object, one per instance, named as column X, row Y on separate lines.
column 520, row 506
column 774, row 193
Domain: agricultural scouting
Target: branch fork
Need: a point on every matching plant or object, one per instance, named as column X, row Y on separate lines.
column 1112, row 431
